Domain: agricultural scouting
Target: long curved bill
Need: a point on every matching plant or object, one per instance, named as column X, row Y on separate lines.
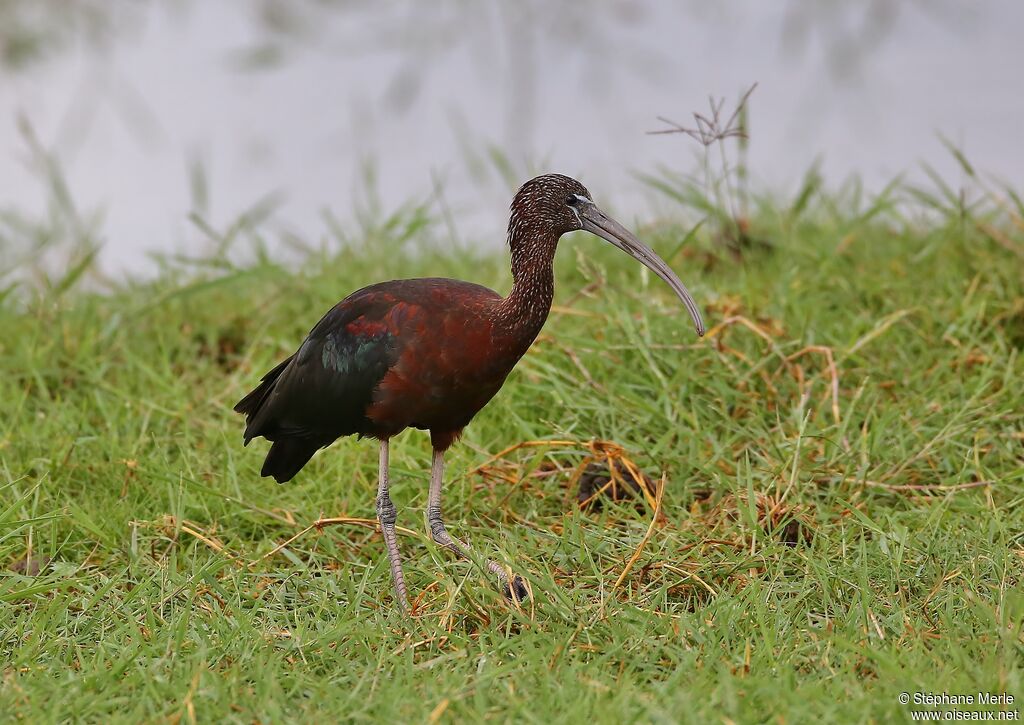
column 597, row 222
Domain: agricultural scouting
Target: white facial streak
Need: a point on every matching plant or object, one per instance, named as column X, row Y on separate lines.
column 583, row 200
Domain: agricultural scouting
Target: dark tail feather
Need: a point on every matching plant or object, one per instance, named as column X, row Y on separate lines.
column 287, row 457
column 250, row 405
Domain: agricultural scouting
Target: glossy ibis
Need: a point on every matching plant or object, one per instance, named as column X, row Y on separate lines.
column 428, row 354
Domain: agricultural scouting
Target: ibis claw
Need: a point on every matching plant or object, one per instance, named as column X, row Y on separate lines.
column 516, row 591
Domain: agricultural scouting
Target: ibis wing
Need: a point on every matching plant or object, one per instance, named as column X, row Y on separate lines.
column 323, row 390
column 391, row 355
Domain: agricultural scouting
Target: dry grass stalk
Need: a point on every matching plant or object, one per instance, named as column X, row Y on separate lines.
column 710, row 129
column 929, row 486
column 319, row 524
column 647, row 537
column 833, row 374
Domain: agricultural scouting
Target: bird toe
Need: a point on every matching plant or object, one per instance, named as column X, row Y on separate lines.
column 517, row 590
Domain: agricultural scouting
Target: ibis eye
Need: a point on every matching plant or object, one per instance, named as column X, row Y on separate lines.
column 572, row 200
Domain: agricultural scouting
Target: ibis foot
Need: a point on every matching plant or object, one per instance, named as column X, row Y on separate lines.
column 516, row 591
column 435, row 525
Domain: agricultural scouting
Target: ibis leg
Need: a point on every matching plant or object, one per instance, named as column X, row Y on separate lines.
column 386, row 514
column 440, row 534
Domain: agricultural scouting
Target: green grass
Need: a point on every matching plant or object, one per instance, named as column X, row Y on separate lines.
column 810, row 566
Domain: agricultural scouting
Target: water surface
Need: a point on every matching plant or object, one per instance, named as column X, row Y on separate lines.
column 298, row 106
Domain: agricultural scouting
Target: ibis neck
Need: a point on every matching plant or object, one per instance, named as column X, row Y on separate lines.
column 526, row 308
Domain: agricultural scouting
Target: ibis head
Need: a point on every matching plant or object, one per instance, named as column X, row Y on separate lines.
column 546, row 207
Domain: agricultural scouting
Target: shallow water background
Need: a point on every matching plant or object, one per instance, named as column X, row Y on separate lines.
column 177, row 107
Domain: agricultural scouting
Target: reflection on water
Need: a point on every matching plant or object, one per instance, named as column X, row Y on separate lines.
column 186, row 106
